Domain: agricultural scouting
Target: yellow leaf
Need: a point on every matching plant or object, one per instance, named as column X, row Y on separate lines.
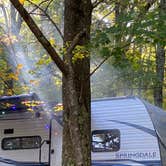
column 9, row 92
column 41, row 62
column 13, row 76
column 25, row 88
column 21, row 1
column 30, row 109
column 58, row 82
column 19, row 66
column 34, row 82
column 58, row 107
column 52, row 42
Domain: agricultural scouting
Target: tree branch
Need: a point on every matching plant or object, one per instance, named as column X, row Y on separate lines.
column 40, row 36
column 5, row 16
column 49, row 18
column 96, row 3
column 75, row 41
column 107, row 15
column 48, row 5
column 37, row 6
column 101, row 63
column 104, row 60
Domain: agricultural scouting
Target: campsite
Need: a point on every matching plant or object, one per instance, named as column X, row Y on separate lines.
column 82, row 82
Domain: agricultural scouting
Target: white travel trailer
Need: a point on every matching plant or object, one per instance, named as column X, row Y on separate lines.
column 25, row 134
column 125, row 131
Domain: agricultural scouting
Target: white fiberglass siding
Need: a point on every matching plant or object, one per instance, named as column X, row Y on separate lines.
column 25, row 127
column 137, row 136
column 56, row 141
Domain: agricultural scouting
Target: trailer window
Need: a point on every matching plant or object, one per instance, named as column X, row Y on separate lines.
column 15, row 143
column 105, row 140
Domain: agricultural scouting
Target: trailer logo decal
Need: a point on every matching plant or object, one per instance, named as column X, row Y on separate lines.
column 136, row 155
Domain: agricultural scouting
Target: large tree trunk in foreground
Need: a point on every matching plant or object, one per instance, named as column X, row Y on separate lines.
column 76, row 88
column 76, row 79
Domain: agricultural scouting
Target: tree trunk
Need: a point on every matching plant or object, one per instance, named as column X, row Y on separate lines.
column 76, row 80
column 76, row 88
column 160, row 62
column 14, row 26
column 158, row 89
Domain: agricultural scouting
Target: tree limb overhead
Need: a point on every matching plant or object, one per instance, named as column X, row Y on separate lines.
column 40, row 36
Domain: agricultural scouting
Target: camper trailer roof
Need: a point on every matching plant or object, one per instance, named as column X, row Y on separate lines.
column 18, row 103
column 113, row 98
column 158, row 115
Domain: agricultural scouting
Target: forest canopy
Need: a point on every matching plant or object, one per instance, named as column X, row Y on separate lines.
column 126, row 33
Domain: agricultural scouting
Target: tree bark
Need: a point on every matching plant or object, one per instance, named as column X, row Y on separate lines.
column 76, row 88
column 158, row 89
column 160, row 62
